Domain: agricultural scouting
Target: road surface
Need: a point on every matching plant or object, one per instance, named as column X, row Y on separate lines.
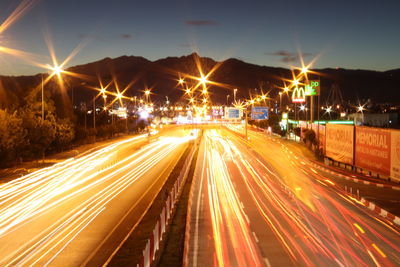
column 276, row 210
column 78, row 211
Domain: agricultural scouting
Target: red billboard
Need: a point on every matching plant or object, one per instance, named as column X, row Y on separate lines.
column 339, row 140
column 372, row 150
column 321, row 136
column 395, row 155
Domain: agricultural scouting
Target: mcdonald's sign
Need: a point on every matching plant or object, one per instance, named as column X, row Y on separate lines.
column 298, row 95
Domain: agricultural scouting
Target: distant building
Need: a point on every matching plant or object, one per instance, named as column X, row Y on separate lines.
column 385, row 120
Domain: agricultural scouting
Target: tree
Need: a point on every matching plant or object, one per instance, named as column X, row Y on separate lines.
column 40, row 133
column 64, row 133
column 12, row 136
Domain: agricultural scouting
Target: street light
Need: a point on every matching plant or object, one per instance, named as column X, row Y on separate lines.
column 147, row 93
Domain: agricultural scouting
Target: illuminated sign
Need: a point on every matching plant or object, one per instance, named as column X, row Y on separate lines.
column 313, row 88
column 259, row 113
column 232, row 113
column 298, row 95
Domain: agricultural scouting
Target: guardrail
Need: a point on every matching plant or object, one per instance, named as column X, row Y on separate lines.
column 153, row 243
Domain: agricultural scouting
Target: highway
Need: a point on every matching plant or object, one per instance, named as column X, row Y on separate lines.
column 261, row 204
column 78, row 211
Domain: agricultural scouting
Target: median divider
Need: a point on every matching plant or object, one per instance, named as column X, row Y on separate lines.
column 153, row 243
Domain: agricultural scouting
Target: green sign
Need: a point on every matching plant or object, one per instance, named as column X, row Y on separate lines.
column 313, row 88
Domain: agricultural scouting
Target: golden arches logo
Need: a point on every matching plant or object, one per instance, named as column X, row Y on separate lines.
column 298, row 95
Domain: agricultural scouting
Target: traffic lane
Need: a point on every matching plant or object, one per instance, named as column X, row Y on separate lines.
column 201, row 243
column 218, row 215
column 385, row 197
column 345, row 210
column 121, row 214
column 63, row 208
column 268, row 207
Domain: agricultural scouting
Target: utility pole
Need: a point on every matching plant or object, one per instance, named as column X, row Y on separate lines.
column 94, row 112
column 245, row 125
column 42, row 99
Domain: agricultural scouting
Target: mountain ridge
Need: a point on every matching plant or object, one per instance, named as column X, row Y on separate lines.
column 162, row 74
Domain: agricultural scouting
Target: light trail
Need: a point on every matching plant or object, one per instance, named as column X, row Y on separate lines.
column 315, row 222
column 230, row 227
column 82, row 187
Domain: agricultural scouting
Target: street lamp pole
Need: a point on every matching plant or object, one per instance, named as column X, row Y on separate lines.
column 42, row 98
column 94, row 112
column 234, row 95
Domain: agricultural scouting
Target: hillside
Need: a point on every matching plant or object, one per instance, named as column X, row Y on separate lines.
column 162, row 75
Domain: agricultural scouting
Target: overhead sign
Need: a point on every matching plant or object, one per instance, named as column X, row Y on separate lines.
column 232, row 113
column 312, row 88
column 259, row 113
column 298, row 95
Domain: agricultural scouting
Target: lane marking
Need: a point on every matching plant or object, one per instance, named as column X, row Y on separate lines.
column 255, row 237
column 359, row 228
column 379, row 250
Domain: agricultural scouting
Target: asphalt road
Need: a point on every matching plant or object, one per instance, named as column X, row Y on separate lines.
column 271, row 208
column 78, row 211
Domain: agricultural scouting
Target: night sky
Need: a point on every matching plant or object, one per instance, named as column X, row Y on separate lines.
column 348, row 34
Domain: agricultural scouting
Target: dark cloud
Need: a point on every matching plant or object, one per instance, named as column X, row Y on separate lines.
column 126, row 36
column 288, row 57
column 201, row 22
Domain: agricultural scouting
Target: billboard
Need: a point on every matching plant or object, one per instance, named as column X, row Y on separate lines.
column 259, row 113
column 339, row 141
column 395, row 155
column 232, row 113
column 321, row 136
column 372, row 150
column 312, row 88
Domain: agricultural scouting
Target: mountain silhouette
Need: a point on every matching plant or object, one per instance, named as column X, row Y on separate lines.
column 162, row 77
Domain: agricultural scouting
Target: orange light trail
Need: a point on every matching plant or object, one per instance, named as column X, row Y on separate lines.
column 82, row 187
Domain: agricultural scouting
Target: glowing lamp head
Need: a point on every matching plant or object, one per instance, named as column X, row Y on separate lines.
column 147, row 92
column 328, row 109
column 302, row 107
column 144, row 114
column 203, row 80
column 286, row 89
column 204, row 91
column 181, row 81
column 119, row 95
column 360, row 108
column 304, row 70
column 57, row 70
column 187, row 91
column 102, row 90
column 295, row 82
